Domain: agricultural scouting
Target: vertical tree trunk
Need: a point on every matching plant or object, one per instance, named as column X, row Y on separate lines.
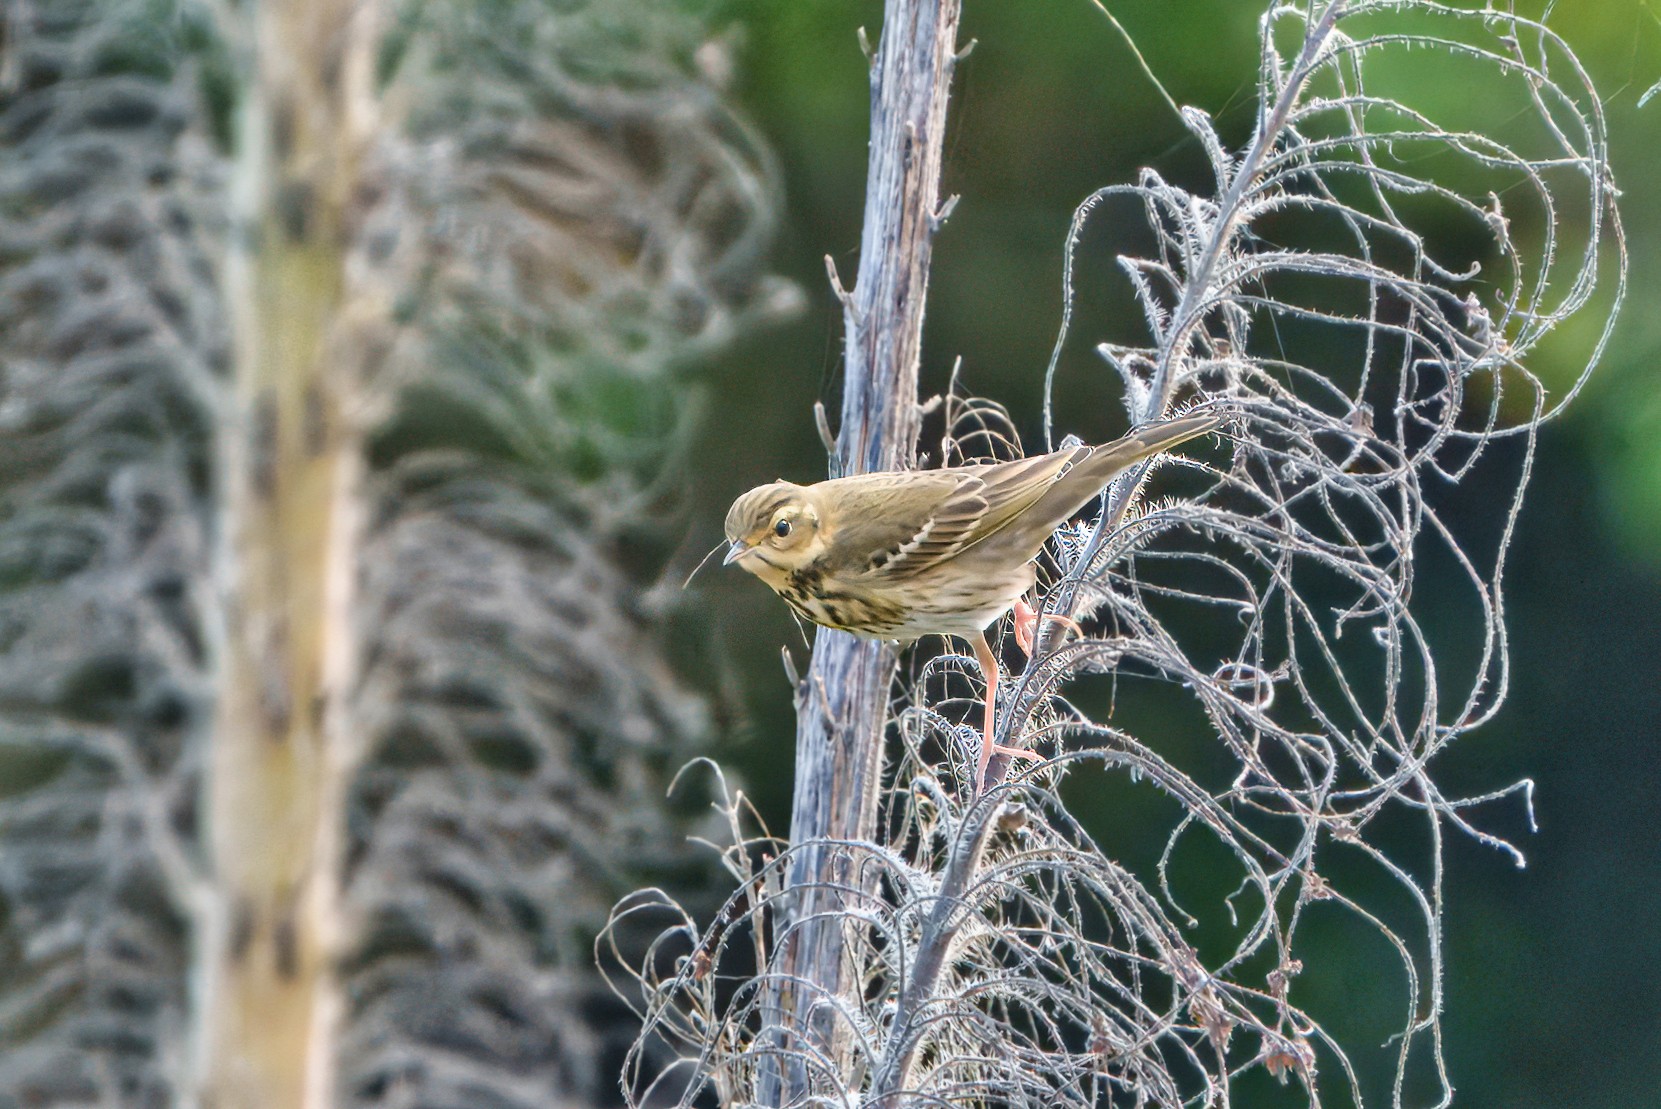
column 291, row 486
column 843, row 706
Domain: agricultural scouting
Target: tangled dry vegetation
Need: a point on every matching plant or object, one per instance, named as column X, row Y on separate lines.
column 1359, row 288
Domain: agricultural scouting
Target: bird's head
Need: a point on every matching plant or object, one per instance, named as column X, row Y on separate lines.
column 774, row 529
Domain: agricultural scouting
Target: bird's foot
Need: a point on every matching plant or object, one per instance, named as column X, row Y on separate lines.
column 1026, row 625
column 1017, row 753
column 988, row 749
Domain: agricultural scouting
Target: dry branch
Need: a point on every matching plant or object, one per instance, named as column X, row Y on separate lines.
column 842, row 708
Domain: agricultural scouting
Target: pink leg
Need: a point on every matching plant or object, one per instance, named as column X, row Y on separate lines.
column 1026, row 624
column 989, row 669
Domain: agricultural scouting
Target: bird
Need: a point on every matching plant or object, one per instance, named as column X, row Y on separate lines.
column 901, row 554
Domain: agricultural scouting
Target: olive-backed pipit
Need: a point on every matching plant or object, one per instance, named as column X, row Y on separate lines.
column 903, row 554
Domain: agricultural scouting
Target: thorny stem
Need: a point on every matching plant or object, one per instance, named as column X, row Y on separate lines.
column 1197, row 290
column 893, row 1072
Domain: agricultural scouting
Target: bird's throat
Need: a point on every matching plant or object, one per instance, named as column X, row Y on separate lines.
column 759, row 563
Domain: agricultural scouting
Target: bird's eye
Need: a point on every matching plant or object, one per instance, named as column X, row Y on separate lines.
column 782, row 528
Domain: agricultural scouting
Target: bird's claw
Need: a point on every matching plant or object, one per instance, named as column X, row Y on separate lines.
column 1016, row 753
column 1026, row 625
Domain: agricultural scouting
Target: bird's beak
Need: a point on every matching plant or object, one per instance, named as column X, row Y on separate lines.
column 735, row 552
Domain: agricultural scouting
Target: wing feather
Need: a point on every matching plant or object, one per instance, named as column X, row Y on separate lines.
column 899, row 525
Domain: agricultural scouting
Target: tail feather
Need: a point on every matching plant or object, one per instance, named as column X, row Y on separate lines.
column 1090, row 474
column 1108, row 461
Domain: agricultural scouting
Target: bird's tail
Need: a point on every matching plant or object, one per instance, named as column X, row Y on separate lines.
column 1108, row 461
column 1089, row 474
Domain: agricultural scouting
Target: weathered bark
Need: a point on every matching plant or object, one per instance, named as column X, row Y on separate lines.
column 842, row 708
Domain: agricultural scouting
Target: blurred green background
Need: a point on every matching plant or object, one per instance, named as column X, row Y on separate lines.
column 1551, row 969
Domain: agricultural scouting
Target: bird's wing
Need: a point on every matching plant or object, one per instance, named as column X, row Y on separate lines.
column 1012, row 488
column 902, row 524
column 888, row 519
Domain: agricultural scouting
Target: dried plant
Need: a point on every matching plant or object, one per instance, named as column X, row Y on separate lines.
column 1352, row 291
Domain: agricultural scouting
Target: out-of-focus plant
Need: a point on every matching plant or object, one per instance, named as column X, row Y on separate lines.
column 114, row 353
column 997, row 953
column 569, row 218
column 341, row 352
